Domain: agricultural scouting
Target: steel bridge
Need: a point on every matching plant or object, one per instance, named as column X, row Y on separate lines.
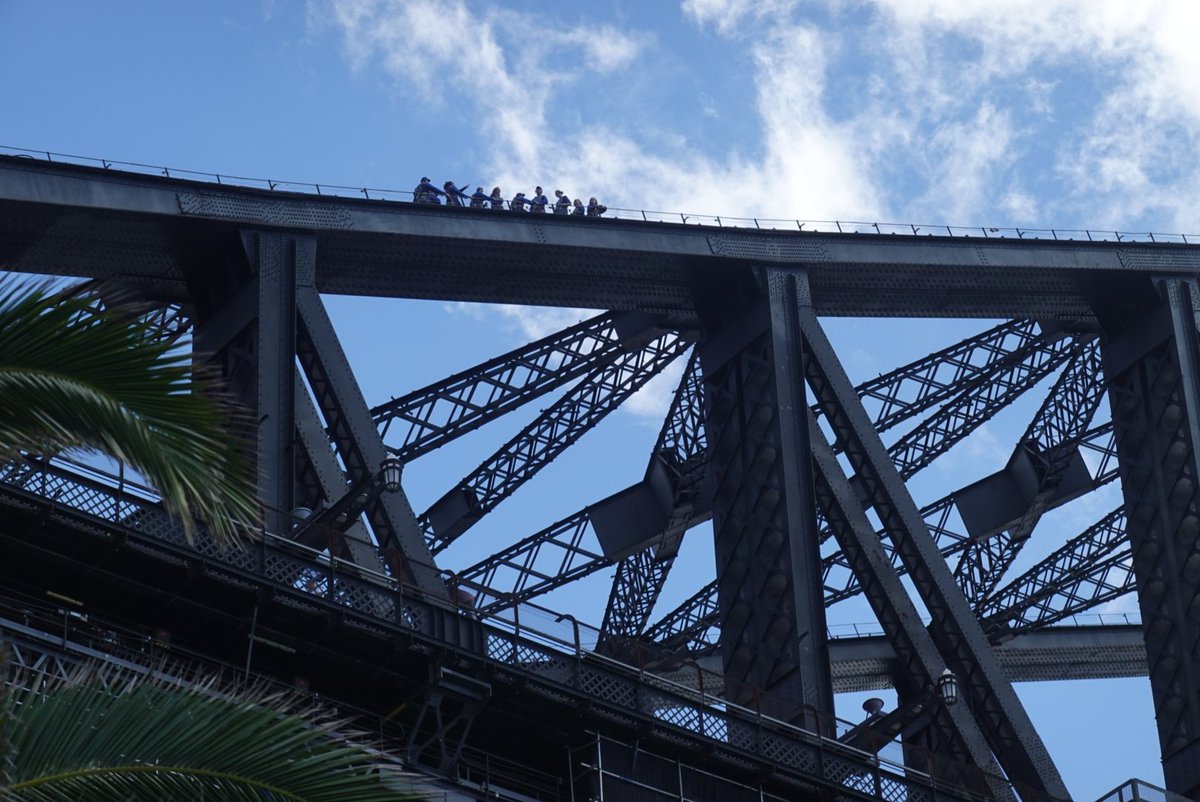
column 801, row 473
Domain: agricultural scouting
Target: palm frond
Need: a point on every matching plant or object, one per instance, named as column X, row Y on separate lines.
column 152, row 741
column 71, row 377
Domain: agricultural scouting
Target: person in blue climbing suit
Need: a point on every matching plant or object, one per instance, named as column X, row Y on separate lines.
column 497, row 200
column 479, row 200
column 539, row 202
column 577, row 209
column 426, row 192
column 519, row 202
column 595, row 208
column 454, row 195
column 563, row 204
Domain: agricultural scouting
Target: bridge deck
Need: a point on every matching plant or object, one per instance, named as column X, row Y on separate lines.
column 84, row 221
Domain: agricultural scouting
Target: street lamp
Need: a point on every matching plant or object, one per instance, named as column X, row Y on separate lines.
column 389, row 473
column 947, row 686
column 872, row 707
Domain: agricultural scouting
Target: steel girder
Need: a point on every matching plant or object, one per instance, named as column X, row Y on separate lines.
column 1018, row 370
column 645, row 518
column 282, row 264
column 951, row 732
column 681, row 448
column 899, row 394
column 970, row 410
column 691, row 625
column 765, row 537
column 1152, row 363
column 353, row 433
column 955, row 630
column 891, row 399
column 433, row 416
column 1046, row 469
column 568, row 419
column 1093, row 567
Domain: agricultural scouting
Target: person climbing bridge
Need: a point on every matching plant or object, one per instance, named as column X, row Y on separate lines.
column 454, row 195
column 426, row 192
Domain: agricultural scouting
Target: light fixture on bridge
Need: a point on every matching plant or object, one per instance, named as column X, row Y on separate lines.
column 947, row 686
column 389, row 473
column 872, row 707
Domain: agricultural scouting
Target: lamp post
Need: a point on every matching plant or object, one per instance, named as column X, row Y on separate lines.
column 389, row 473
column 947, row 686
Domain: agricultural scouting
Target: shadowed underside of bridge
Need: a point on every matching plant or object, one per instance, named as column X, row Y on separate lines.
column 798, row 475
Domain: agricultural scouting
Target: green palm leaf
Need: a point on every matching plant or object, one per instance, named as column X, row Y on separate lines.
column 74, row 378
column 152, row 741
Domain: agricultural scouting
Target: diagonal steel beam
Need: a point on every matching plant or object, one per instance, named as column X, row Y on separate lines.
column 906, row 391
column 357, row 441
column 1048, row 462
column 974, row 407
column 432, row 416
column 893, row 397
column 681, row 449
column 355, row 542
column 955, row 630
column 693, row 624
column 1091, row 568
column 558, row 555
column 954, row 732
column 545, row 560
column 518, row 460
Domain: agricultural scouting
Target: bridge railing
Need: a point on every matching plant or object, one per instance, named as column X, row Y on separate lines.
column 1140, row 791
column 646, row 215
column 518, row 638
column 870, row 630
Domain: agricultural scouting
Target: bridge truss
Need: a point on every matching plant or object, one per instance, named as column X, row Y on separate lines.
column 798, row 477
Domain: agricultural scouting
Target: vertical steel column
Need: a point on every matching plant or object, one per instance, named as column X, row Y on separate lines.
column 282, row 262
column 1153, row 369
column 773, row 634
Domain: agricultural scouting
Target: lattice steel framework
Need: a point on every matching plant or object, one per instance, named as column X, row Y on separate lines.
column 765, row 437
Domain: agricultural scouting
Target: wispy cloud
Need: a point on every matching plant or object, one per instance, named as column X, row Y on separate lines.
column 937, row 110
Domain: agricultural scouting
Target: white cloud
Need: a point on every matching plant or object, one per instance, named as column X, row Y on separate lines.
column 1133, row 155
column 535, row 322
column 727, row 15
column 811, row 160
column 652, row 401
column 956, row 111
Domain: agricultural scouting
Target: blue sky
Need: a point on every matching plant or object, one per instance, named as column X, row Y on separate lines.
column 1044, row 113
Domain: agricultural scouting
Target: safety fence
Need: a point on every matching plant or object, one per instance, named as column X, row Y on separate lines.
column 1140, row 791
column 553, row 653
column 873, row 629
column 57, row 639
column 646, row 215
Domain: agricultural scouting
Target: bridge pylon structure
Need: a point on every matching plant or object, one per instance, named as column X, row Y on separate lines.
column 799, row 476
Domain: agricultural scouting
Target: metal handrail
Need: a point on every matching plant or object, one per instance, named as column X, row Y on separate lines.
column 644, row 215
column 870, row 630
column 719, row 713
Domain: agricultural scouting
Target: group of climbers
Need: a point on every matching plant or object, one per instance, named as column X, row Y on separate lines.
column 425, row 192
